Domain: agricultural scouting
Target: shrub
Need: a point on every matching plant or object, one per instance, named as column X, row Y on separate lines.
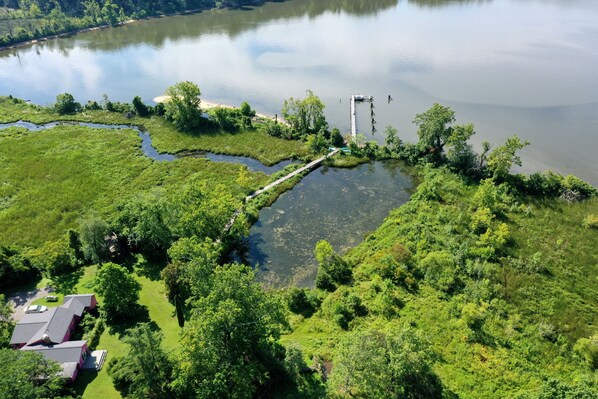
column 590, row 222
column 579, row 186
column 587, row 349
column 302, row 301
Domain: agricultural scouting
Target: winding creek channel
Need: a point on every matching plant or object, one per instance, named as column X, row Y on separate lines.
column 335, row 204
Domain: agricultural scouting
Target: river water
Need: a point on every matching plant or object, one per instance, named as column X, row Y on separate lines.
column 508, row 66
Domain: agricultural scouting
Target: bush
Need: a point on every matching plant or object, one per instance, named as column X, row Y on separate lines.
column 246, row 109
column 227, row 118
column 343, row 306
column 93, row 336
column 590, row 222
column 66, row 104
column 587, row 349
column 579, row 186
column 302, row 301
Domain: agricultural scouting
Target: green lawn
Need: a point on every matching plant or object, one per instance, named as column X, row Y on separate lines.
column 161, row 312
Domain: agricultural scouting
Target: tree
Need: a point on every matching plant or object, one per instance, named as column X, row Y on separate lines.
column 553, row 389
column 305, row 116
column 140, row 108
column 192, row 264
column 202, row 211
column 66, row 104
column 336, row 139
column 92, row 231
column 317, row 143
column 332, row 269
column 392, row 141
column 182, row 107
column 369, row 364
column 28, row 375
column 246, row 109
column 460, row 155
column 410, row 363
column 228, row 345
column 6, row 322
column 118, row 289
column 434, row 130
column 145, row 221
column 54, row 257
column 360, row 367
column 145, row 371
column 503, row 157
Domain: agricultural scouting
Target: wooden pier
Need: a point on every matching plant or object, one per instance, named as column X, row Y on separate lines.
column 353, row 117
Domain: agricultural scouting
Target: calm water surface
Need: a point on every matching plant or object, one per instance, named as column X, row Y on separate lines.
column 338, row 205
column 509, row 66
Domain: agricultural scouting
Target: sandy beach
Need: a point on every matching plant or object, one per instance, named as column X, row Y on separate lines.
column 206, row 104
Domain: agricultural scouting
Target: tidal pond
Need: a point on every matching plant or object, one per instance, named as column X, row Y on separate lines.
column 338, row 205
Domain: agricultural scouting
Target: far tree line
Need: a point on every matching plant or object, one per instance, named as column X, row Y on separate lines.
column 32, row 19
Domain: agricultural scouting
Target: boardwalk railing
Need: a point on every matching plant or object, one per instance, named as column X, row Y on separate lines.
column 309, row 166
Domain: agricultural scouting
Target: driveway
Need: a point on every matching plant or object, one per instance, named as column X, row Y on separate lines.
column 22, row 299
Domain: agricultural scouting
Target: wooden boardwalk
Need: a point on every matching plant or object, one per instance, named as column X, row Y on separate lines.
column 309, row 166
column 353, row 111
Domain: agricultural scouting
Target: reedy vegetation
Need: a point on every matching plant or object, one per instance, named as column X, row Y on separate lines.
column 453, row 296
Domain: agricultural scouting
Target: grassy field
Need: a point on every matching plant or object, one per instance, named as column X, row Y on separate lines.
column 531, row 315
column 566, row 293
column 51, row 177
column 247, row 142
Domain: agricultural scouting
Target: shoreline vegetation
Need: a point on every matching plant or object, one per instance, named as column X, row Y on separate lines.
column 63, row 22
column 477, row 287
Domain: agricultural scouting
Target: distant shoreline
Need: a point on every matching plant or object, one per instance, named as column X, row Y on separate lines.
column 96, row 28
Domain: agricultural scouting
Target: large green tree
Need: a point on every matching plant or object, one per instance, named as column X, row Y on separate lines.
column 92, row 232
column 434, row 128
column 306, row 116
column 371, row 364
column 227, row 346
column 66, row 104
column 118, row 289
column 145, row 221
column 28, row 375
column 6, row 322
column 145, row 370
column 203, row 211
column 182, row 106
